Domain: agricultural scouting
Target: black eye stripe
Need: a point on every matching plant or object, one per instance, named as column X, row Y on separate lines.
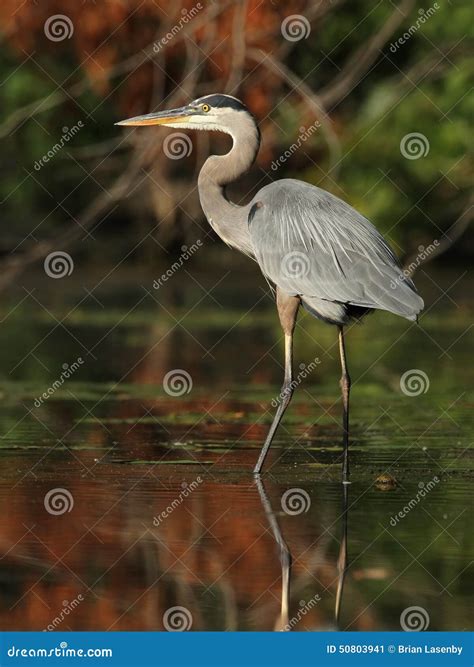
column 224, row 101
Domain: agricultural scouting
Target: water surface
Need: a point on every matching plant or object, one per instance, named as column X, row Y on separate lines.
column 125, row 496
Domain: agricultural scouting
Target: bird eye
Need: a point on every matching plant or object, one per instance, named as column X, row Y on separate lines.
column 205, row 108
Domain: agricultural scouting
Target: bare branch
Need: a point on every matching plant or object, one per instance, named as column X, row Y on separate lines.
column 453, row 235
column 310, row 98
column 239, row 46
column 361, row 60
column 57, row 97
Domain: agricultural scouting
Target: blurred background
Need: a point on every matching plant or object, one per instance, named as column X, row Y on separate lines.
column 112, row 280
column 376, row 95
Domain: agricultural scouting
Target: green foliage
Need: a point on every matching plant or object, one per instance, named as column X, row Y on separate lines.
column 416, row 199
column 419, row 87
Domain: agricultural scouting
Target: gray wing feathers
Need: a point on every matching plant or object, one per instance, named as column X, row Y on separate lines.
column 309, row 242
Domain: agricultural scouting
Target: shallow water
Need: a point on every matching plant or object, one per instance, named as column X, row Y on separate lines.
column 121, row 502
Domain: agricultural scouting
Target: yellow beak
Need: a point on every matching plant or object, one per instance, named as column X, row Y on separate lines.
column 159, row 118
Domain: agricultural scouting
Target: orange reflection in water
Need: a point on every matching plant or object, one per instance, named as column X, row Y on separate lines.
column 116, row 562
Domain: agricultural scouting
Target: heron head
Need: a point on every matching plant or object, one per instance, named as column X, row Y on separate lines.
column 212, row 112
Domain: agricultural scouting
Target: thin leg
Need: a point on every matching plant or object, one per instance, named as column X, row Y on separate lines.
column 285, row 398
column 345, row 388
column 287, row 310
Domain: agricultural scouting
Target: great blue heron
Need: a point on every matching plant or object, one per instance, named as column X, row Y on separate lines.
column 317, row 250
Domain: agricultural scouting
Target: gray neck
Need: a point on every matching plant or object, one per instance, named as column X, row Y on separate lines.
column 227, row 219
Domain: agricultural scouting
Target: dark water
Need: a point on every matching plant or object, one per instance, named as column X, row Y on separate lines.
column 121, row 501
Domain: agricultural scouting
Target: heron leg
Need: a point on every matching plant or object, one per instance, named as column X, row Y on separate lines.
column 345, row 388
column 287, row 311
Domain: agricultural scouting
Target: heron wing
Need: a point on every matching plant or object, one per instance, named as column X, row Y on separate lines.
column 311, row 243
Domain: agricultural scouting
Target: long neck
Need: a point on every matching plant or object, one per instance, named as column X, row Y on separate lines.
column 227, row 219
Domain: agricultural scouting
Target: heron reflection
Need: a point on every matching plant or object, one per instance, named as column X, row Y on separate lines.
column 283, row 621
